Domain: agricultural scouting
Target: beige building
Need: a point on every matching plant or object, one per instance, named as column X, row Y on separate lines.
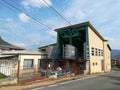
column 100, row 56
column 26, row 60
column 80, row 47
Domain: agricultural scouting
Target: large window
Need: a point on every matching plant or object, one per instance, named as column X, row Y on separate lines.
column 28, row 63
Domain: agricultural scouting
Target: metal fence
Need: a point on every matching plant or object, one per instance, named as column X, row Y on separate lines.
column 27, row 74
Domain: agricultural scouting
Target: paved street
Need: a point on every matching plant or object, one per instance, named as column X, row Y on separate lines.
column 109, row 81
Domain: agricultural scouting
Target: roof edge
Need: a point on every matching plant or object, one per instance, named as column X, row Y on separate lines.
column 82, row 24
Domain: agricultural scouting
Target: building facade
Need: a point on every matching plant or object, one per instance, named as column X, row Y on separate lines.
column 83, row 47
column 26, row 61
column 91, row 46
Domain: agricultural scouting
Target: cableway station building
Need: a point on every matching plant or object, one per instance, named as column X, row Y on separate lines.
column 79, row 48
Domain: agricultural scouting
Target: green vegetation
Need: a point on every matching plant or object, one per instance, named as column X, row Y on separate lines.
column 2, row 76
column 118, row 65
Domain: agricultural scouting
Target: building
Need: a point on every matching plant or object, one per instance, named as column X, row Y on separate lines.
column 115, row 61
column 5, row 46
column 81, row 47
column 26, row 60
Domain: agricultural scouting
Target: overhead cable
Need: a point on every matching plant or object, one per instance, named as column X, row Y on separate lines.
column 51, row 8
column 36, row 20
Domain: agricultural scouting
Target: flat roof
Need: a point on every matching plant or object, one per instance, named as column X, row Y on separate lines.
column 3, row 56
column 23, row 52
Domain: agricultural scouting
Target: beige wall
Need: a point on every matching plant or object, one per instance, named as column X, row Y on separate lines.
column 107, row 58
column 95, row 42
column 34, row 57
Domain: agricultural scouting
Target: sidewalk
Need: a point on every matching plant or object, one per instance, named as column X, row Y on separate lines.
column 45, row 82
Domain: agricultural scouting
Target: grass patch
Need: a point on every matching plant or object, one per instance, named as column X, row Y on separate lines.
column 2, row 76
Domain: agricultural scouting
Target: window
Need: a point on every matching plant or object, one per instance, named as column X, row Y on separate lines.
column 99, row 51
column 96, row 63
column 96, row 51
column 43, row 50
column 28, row 63
column 92, row 51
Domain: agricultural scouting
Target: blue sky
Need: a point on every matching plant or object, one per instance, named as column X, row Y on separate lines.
column 19, row 29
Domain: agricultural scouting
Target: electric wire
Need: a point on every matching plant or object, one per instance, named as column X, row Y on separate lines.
column 36, row 20
column 53, row 9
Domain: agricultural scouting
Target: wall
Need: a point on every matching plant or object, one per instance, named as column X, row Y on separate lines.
column 53, row 52
column 34, row 57
column 8, row 81
column 95, row 60
column 107, row 57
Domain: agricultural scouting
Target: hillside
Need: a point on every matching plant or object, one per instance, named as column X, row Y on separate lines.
column 115, row 53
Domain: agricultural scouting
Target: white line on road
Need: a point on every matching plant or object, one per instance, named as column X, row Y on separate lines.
column 38, row 88
column 53, row 85
column 68, row 82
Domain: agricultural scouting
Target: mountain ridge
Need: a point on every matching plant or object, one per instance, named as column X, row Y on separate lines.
column 115, row 53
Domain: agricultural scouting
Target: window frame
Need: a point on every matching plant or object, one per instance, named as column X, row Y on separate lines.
column 29, row 64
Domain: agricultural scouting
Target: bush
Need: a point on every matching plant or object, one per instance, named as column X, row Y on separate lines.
column 2, row 76
column 118, row 65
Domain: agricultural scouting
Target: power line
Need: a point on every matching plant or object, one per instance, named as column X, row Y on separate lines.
column 26, row 14
column 51, row 8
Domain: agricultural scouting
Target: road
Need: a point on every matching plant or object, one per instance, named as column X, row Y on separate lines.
column 109, row 81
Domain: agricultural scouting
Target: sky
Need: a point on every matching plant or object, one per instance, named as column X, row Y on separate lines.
column 19, row 28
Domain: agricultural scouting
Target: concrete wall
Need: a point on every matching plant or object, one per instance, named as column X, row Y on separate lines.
column 107, row 58
column 8, row 81
column 95, row 60
column 34, row 57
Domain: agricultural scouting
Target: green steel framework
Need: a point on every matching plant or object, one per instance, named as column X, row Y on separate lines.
column 77, row 36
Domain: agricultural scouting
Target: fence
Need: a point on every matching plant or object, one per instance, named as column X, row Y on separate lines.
column 8, row 67
column 27, row 74
column 37, row 73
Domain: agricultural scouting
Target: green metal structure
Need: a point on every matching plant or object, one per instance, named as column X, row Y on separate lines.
column 75, row 35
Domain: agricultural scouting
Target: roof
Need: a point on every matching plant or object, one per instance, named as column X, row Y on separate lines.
column 23, row 52
column 82, row 24
column 5, row 45
column 4, row 56
column 47, row 45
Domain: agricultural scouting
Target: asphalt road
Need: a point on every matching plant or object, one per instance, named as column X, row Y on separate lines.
column 109, row 81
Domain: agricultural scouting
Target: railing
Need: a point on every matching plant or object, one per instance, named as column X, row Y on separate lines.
column 8, row 70
column 28, row 74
